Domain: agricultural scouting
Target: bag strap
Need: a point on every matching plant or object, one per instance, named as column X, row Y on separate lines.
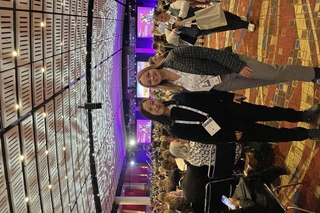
column 188, row 20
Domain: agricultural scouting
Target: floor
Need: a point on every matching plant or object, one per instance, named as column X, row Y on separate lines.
column 288, row 33
column 47, row 151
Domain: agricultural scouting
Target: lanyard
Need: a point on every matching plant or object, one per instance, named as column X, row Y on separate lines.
column 193, row 110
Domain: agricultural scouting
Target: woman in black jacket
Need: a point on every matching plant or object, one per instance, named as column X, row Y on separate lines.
column 227, row 118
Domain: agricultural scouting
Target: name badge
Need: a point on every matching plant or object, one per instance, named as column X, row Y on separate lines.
column 208, row 84
column 211, row 126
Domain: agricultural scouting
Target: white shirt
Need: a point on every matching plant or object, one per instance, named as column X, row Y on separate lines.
column 181, row 164
column 183, row 6
column 192, row 82
column 172, row 37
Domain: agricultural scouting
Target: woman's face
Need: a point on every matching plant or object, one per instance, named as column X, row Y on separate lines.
column 157, row 58
column 151, row 77
column 164, row 17
column 154, row 107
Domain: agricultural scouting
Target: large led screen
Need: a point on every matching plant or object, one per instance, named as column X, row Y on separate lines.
column 145, row 22
column 143, row 131
column 142, row 92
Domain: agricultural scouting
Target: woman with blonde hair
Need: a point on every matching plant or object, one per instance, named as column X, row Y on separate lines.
column 166, row 198
column 198, row 154
column 166, row 185
column 161, row 208
column 203, row 69
column 180, row 148
column 168, row 163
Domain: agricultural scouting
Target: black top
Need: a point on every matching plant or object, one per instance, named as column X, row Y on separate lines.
column 219, row 106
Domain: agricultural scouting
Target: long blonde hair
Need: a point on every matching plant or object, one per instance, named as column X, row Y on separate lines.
column 179, row 150
column 165, row 184
column 165, row 198
column 165, row 85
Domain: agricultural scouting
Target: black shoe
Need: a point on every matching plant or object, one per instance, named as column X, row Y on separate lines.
column 312, row 114
column 316, row 81
column 314, row 134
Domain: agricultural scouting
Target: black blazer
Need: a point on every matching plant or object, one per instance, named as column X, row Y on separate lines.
column 229, row 116
column 203, row 61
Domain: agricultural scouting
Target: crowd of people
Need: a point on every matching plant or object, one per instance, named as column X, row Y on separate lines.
column 180, row 172
column 200, row 130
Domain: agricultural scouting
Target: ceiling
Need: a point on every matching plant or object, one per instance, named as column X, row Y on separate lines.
column 56, row 157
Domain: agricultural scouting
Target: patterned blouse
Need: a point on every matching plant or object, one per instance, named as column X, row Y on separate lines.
column 200, row 153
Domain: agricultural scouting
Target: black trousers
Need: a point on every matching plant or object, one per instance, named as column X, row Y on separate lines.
column 263, row 133
column 252, row 131
column 190, row 34
column 234, row 23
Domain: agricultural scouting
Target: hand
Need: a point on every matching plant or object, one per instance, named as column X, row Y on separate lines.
column 246, row 72
column 178, row 19
column 177, row 24
column 175, row 29
column 238, row 135
column 234, row 202
column 238, row 98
